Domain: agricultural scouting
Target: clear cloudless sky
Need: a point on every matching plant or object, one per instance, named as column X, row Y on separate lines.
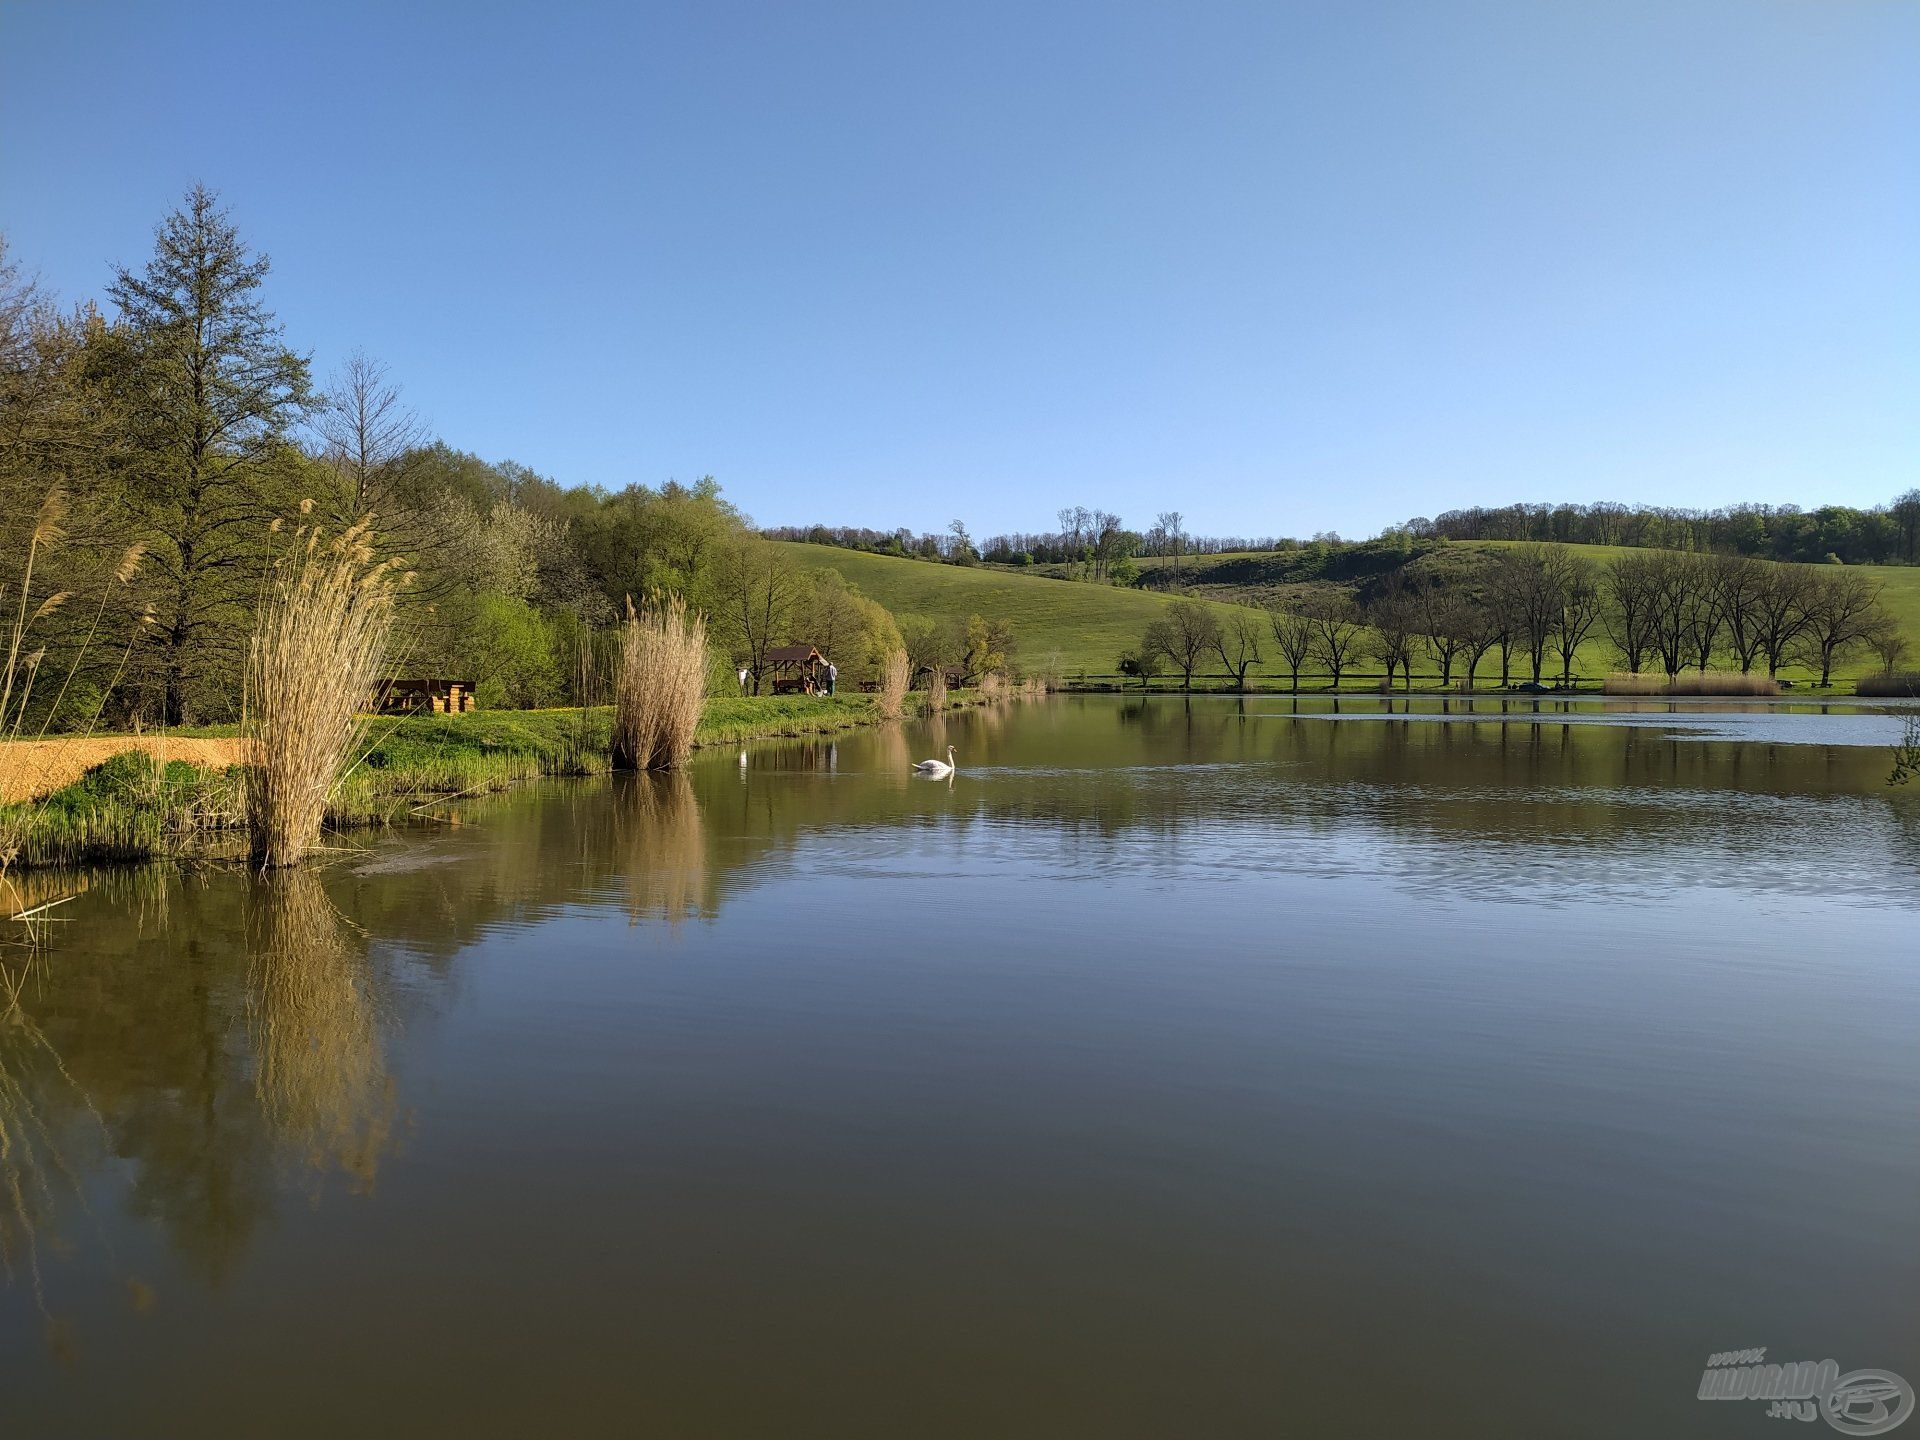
column 1284, row 266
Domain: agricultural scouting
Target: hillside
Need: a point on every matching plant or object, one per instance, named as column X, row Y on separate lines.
column 1075, row 627
column 1061, row 625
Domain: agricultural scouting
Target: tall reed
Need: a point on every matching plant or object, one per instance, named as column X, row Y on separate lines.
column 319, row 646
column 891, row 700
column 937, row 689
column 1891, row 683
column 1699, row 682
column 660, row 686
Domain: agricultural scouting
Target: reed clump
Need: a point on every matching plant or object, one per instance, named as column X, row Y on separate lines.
column 1698, row 682
column 936, row 689
column 1890, row 684
column 319, row 646
column 891, row 699
column 660, row 686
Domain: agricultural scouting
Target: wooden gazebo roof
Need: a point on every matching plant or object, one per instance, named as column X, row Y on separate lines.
column 795, row 655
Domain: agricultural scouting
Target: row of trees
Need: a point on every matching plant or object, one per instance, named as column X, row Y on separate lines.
column 174, row 431
column 1091, row 544
column 1535, row 607
column 1880, row 535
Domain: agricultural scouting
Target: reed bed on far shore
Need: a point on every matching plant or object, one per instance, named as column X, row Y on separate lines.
column 1890, row 684
column 936, row 690
column 1698, row 682
column 660, row 687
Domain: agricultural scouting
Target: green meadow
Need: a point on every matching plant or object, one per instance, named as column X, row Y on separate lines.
column 1078, row 630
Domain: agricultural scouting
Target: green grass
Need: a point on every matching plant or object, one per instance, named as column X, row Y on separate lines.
column 1086, row 627
column 131, row 809
column 1063, row 626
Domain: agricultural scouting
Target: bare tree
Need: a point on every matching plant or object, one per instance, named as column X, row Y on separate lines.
column 1105, row 543
column 1887, row 643
column 1394, row 618
column 1447, row 620
column 1628, row 619
column 1579, row 611
column 1185, row 633
column 1780, row 612
column 1075, row 523
column 1174, row 537
column 759, row 586
column 1843, row 610
column 367, row 432
column 1237, row 643
column 1480, row 631
column 1740, row 580
column 1293, row 635
column 1336, row 632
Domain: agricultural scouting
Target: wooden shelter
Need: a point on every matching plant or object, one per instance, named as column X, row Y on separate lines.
column 431, row 695
column 796, row 669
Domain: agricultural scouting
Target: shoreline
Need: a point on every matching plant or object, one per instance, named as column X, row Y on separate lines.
column 130, row 808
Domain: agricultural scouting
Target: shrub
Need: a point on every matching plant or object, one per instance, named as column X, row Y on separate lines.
column 1900, row 682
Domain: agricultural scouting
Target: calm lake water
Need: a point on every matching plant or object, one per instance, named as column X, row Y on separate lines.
column 1228, row 1069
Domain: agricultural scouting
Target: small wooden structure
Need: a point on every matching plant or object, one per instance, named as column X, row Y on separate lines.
column 430, row 695
column 797, row 670
column 954, row 675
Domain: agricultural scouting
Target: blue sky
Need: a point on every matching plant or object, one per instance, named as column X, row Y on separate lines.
column 1284, row 266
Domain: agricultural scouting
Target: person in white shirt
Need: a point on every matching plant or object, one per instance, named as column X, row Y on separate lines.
column 833, row 674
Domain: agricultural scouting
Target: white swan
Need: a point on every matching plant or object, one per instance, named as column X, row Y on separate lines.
column 936, row 769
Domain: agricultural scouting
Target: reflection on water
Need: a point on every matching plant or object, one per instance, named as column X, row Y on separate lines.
column 662, row 847
column 1161, row 1074
column 314, row 1021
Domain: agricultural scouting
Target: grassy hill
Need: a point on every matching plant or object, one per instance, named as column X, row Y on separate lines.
column 1066, row 626
column 1079, row 629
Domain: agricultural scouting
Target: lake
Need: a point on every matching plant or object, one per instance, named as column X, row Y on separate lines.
column 1229, row 1068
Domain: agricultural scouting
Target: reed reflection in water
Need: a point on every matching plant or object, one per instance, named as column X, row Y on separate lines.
column 662, row 845
column 314, row 1013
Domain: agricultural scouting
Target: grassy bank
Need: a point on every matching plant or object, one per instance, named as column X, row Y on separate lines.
column 133, row 808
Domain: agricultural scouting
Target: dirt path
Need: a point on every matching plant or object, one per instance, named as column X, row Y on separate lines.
column 38, row 767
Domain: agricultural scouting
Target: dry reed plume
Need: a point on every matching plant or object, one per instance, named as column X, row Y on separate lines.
column 319, row 1064
column 937, row 689
column 318, row 649
column 660, row 686
column 891, row 699
column 1706, row 682
column 22, row 668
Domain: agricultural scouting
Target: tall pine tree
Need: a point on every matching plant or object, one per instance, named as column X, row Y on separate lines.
column 214, row 391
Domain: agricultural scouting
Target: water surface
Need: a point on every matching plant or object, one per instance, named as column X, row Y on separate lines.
column 1233, row 1068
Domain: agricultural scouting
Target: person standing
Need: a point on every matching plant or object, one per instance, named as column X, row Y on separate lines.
column 833, row 674
column 743, row 679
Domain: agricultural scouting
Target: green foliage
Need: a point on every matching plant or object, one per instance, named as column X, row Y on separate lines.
column 515, row 665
